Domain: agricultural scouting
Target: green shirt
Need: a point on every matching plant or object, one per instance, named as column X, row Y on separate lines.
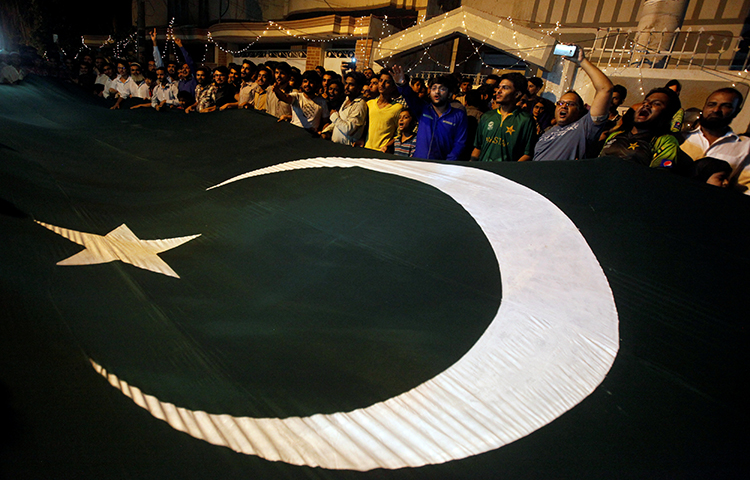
column 505, row 141
column 643, row 148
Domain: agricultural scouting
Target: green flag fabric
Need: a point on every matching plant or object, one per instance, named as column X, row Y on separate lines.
column 224, row 296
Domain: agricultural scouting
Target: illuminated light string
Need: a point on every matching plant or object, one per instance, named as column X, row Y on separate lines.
column 522, row 53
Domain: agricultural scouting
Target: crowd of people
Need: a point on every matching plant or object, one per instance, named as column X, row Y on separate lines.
column 504, row 119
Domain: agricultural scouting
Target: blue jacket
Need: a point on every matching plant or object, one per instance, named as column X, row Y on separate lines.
column 439, row 137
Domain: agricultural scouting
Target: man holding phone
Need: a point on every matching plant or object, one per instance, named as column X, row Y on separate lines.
column 575, row 128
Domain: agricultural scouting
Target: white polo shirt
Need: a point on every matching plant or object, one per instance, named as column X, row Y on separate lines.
column 732, row 148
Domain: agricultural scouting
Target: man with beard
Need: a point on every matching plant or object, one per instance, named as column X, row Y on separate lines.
column 309, row 111
column 186, row 81
column 247, row 70
column 256, row 95
column 137, row 76
column 649, row 141
column 274, row 106
column 442, row 130
column 348, row 122
column 575, row 128
column 203, row 100
column 165, row 93
column 234, row 76
column 506, row 134
column 714, row 137
column 172, row 71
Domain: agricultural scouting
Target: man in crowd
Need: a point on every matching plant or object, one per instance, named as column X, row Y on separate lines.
column 123, row 87
column 255, row 95
column 203, row 101
column 274, row 106
column 106, row 78
column 247, row 69
column 464, row 87
column 348, row 123
column 533, row 97
column 172, row 70
column 383, row 113
column 441, row 134
column 370, row 90
column 157, row 61
column 235, row 78
column 309, row 110
column 575, row 128
column 164, row 94
column 86, row 78
column 186, row 80
column 679, row 116
column 336, row 94
column 137, row 76
column 714, row 137
column 649, row 141
column 507, row 133
column 614, row 120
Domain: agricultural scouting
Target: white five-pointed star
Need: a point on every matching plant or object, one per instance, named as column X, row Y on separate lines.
column 120, row 244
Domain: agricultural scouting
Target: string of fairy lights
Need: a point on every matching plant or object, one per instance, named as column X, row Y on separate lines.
column 522, row 53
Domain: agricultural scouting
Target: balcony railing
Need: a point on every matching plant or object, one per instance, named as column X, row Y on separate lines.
column 687, row 49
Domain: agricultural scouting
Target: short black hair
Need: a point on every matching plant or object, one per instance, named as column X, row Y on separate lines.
column 493, row 77
column 674, row 83
column 474, row 99
column 266, row 68
column 284, row 67
column 520, row 84
column 732, row 91
column 358, row 77
column 205, row 69
column 581, row 103
column 447, row 81
column 621, row 90
column 705, row 167
column 312, row 77
column 673, row 103
column 537, row 82
column 222, row 70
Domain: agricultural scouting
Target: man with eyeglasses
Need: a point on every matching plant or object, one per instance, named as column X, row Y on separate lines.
column 649, row 141
column 220, row 92
column 441, row 134
column 575, row 128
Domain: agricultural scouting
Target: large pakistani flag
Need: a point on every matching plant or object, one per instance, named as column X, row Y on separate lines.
column 221, row 296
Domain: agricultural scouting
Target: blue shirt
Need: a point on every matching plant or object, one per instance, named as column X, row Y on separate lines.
column 438, row 137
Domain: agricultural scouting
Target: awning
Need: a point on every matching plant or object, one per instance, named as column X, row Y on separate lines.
column 532, row 47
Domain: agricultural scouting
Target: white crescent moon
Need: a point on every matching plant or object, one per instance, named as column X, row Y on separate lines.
column 553, row 340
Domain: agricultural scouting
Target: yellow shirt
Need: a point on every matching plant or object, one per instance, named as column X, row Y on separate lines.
column 383, row 124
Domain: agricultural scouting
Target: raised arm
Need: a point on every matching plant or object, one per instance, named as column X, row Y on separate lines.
column 185, row 54
column 416, row 105
column 603, row 86
column 157, row 54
